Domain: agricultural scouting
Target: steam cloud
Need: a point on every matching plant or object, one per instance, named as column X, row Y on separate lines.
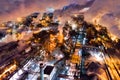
column 108, row 11
column 109, row 14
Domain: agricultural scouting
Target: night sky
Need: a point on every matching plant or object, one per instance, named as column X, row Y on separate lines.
column 108, row 11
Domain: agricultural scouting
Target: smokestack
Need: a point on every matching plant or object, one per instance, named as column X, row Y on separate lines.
column 41, row 72
column 82, row 71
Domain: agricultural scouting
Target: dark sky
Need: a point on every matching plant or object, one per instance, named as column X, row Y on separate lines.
column 108, row 11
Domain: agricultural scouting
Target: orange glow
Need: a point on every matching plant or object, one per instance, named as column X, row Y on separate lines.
column 98, row 28
column 75, row 58
column 60, row 35
column 97, row 18
column 113, row 62
column 20, row 19
column 53, row 38
column 8, row 69
column 44, row 22
column 52, row 44
column 113, row 37
column 9, row 30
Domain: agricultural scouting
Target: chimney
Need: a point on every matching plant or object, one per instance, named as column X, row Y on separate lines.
column 41, row 72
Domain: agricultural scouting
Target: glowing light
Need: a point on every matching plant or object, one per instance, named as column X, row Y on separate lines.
column 113, row 37
column 20, row 19
column 75, row 15
column 97, row 28
column 60, row 35
column 2, row 25
column 8, row 69
column 98, row 57
column 74, row 26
